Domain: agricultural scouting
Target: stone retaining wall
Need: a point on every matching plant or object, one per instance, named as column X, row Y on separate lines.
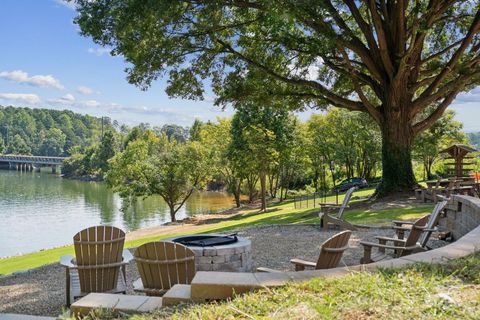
column 462, row 215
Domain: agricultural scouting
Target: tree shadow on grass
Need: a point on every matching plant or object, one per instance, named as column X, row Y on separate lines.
column 308, row 216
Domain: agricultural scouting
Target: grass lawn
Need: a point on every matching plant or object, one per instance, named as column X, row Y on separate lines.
column 418, row 292
column 421, row 291
column 279, row 213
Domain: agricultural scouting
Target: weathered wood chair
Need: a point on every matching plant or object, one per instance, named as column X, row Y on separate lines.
column 99, row 264
column 162, row 265
column 400, row 226
column 401, row 247
column 326, row 218
column 330, row 254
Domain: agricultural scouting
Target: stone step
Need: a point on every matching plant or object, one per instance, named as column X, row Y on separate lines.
column 222, row 285
column 177, row 294
column 12, row 316
column 116, row 302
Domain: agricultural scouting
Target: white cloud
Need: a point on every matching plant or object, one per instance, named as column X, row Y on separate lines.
column 468, row 97
column 99, row 51
column 89, row 103
column 66, row 100
column 21, row 97
column 68, row 4
column 70, row 100
column 20, row 76
column 84, row 90
column 309, row 73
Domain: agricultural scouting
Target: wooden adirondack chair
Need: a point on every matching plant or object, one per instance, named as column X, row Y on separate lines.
column 162, row 265
column 400, row 228
column 326, row 218
column 401, row 247
column 99, row 265
column 330, row 254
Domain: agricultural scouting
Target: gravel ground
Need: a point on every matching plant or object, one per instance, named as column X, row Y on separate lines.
column 42, row 291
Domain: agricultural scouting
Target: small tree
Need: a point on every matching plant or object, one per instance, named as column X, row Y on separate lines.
column 156, row 165
column 441, row 135
column 195, row 130
column 217, row 139
column 105, row 151
column 258, row 134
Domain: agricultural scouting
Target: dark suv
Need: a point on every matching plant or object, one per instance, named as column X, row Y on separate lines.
column 349, row 183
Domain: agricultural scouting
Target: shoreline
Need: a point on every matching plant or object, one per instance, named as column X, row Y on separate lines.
column 85, row 178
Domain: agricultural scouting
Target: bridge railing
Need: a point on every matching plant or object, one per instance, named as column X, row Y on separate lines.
column 31, row 159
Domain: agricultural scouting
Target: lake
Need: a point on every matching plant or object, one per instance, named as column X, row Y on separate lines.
column 42, row 210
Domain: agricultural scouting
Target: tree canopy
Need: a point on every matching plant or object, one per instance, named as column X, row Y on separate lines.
column 154, row 164
column 392, row 59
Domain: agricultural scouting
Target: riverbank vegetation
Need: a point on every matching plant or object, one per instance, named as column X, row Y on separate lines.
column 277, row 213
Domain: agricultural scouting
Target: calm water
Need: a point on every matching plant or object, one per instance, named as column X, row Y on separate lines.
column 41, row 210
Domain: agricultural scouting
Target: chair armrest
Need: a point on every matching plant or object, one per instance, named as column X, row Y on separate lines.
column 400, row 222
column 401, row 228
column 332, row 205
column 377, row 245
column 127, row 256
column 390, row 239
column 67, row 261
column 303, row 263
column 263, row 269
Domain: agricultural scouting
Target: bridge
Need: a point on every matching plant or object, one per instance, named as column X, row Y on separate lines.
column 28, row 163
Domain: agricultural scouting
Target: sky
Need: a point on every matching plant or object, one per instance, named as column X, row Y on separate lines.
column 46, row 63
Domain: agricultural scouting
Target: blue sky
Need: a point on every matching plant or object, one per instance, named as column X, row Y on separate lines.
column 45, row 63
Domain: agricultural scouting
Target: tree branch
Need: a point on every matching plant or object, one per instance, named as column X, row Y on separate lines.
column 435, row 115
column 474, row 28
column 328, row 95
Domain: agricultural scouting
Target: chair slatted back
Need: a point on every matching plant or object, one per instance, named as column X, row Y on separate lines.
column 163, row 264
column 416, row 232
column 98, row 253
column 345, row 202
column 432, row 222
column 332, row 250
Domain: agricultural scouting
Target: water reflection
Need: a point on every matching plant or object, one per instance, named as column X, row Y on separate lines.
column 41, row 210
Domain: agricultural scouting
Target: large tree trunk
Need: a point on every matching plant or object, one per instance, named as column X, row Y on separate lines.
column 397, row 140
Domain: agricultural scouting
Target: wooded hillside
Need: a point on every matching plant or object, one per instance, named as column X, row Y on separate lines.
column 47, row 132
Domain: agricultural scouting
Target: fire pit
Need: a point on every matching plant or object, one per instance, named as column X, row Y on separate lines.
column 215, row 252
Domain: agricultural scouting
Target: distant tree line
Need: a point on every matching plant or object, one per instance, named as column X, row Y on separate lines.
column 47, row 132
column 474, row 138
